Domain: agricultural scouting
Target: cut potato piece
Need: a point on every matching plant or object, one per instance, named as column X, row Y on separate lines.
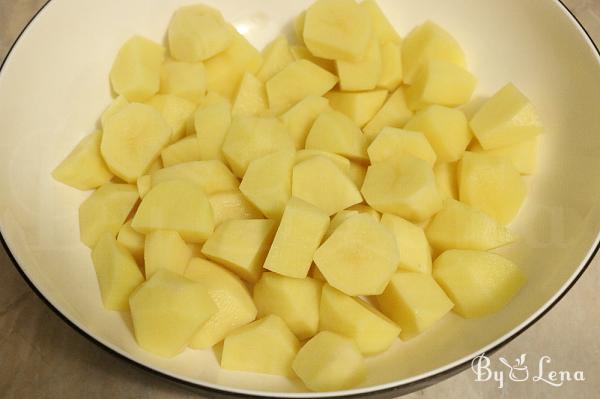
column 320, row 182
column 506, row 118
column 250, row 138
column 175, row 110
column 132, row 241
column 297, row 81
column 212, row 176
column 84, row 168
column 357, row 174
column 426, row 42
column 276, row 57
column 440, row 82
column 383, row 30
column 241, row 246
column 105, row 211
column 394, row 113
column 211, row 124
column 135, row 74
column 300, row 118
column 166, row 250
column 295, row 300
column 393, row 142
column 184, row 151
column 337, row 133
column 404, row 186
column 340, row 161
column 230, row 205
column 302, row 53
column 336, row 222
column 329, row 362
column 234, row 303
column 491, row 184
column 391, row 66
column 117, row 272
column 415, row 254
column 446, row 179
column 197, row 33
column 265, row 346
column 359, row 258
column 479, row 283
column 225, row 71
column 299, row 235
column 268, row 182
column 251, row 98
column 362, row 75
column 362, row 208
column 414, row 301
column 185, row 80
column 354, row 318
column 360, row 107
column 459, row 226
column 337, row 30
column 132, row 140
column 522, row 155
column 446, row 129
column 167, row 310
column 176, row 205
column 115, row 106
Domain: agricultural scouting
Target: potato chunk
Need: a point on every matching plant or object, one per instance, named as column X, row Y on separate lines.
column 132, row 241
column 329, row 362
column 167, row 310
column 265, row 346
column 105, row 210
column 392, row 142
column 352, row 317
column 391, row 66
column 362, row 75
column 295, row 300
column 320, row 182
column 117, row 272
column 212, row 176
column 403, row 186
column 446, row 179
column 183, row 79
column 506, row 118
column 268, row 182
column 165, row 249
column 297, row 81
column 299, row 235
column 337, row 133
column 175, row 111
column 176, row 205
column 276, row 56
column 197, row 33
column 250, row 138
column 415, row 254
column 522, row 155
column 426, row 42
column 446, row 129
column 394, row 113
column 491, row 184
column 234, row 303
column 84, row 168
column 211, row 124
column 300, row 118
column 251, row 97
column 459, row 226
column 359, row 258
column 241, row 246
column 229, row 205
column 185, row 150
column 132, row 140
column 479, row 283
column 360, row 107
column 414, row 301
column 383, row 29
column 135, row 74
column 337, row 30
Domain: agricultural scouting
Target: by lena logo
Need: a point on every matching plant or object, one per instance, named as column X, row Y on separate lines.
column 519, row 371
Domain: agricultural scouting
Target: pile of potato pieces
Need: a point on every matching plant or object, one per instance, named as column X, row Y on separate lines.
column 321, row 177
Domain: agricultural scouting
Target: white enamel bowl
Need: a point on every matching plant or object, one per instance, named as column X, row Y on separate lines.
column 54, row 85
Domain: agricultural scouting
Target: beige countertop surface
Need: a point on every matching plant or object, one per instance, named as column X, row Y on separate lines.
column 42, row 357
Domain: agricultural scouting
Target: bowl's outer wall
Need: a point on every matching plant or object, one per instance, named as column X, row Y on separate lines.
column 38, row 217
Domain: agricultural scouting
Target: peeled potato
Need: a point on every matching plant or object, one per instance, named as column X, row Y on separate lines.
column 211, row 124
column 251, row 97
column 362, row 75
column 394, row 113
column 415, row 253
column 300, row 118
column 175, row 110
column 165, row 249
column 391, row 66
column 182, row 151
column 230, row 205
column 132, row 140
column 212, row 176
column 277, row 56
column 185, row 80
column 392, row 142
column 360, row 107
column 335, row 132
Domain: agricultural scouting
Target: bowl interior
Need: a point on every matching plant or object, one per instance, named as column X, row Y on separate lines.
column 55, row 84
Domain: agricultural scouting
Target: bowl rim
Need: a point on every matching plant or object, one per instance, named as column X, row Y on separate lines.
column 383, row 390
